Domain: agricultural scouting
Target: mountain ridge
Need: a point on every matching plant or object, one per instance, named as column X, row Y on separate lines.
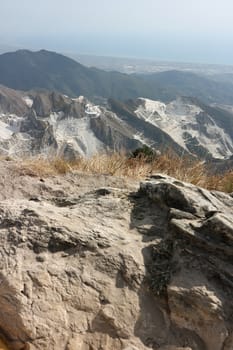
column 25, row 70
column 50, row 123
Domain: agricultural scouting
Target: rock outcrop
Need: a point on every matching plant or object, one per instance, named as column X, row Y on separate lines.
column 51, row 124
column 91, row 263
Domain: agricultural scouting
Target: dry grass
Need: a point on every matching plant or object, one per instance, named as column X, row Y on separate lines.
column 118, row 164
column 223, row 183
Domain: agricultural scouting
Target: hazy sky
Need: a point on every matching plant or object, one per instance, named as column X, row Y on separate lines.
column 183, row 30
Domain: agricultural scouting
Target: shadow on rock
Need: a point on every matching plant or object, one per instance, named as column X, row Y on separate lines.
column 154, row 326
column 148, row 217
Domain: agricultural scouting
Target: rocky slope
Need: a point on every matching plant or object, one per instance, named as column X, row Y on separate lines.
column 53, row 124
column 49, row 123
column 198, row 129
column 96, row 262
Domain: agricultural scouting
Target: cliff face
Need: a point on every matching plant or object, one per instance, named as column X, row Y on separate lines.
column 48, row 123
column 104, row 263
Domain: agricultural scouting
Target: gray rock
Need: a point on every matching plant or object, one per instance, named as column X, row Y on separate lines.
column 199, row 285
column 80, row 273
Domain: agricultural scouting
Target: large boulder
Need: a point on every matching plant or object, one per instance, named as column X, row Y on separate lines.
column 96, row 263
column 198, row 265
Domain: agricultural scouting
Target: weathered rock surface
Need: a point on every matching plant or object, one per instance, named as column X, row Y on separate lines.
column 96, row 263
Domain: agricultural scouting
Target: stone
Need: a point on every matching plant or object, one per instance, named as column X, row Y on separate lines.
column 124, row 268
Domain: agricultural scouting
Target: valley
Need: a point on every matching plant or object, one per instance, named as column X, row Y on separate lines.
column 115, row 207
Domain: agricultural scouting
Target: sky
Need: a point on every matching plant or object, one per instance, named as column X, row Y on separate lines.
column 170, row 30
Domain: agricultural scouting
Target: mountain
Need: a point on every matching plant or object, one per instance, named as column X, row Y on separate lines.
column 12, row 102
column 175, row 83
column 26, row 70
column 51, row 123
column 42, row 122
column 198, row 128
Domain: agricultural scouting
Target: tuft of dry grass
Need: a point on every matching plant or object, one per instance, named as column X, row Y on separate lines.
column 224, row 182
column 36, row 167
column 118, row 164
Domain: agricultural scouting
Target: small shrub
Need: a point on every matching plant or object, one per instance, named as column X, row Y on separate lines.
column 145, row 152
column 61, row 166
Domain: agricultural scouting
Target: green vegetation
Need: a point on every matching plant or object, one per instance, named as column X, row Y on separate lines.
column 144, row 152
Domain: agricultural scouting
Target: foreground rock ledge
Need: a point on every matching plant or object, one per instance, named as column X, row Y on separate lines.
column 116, row 267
